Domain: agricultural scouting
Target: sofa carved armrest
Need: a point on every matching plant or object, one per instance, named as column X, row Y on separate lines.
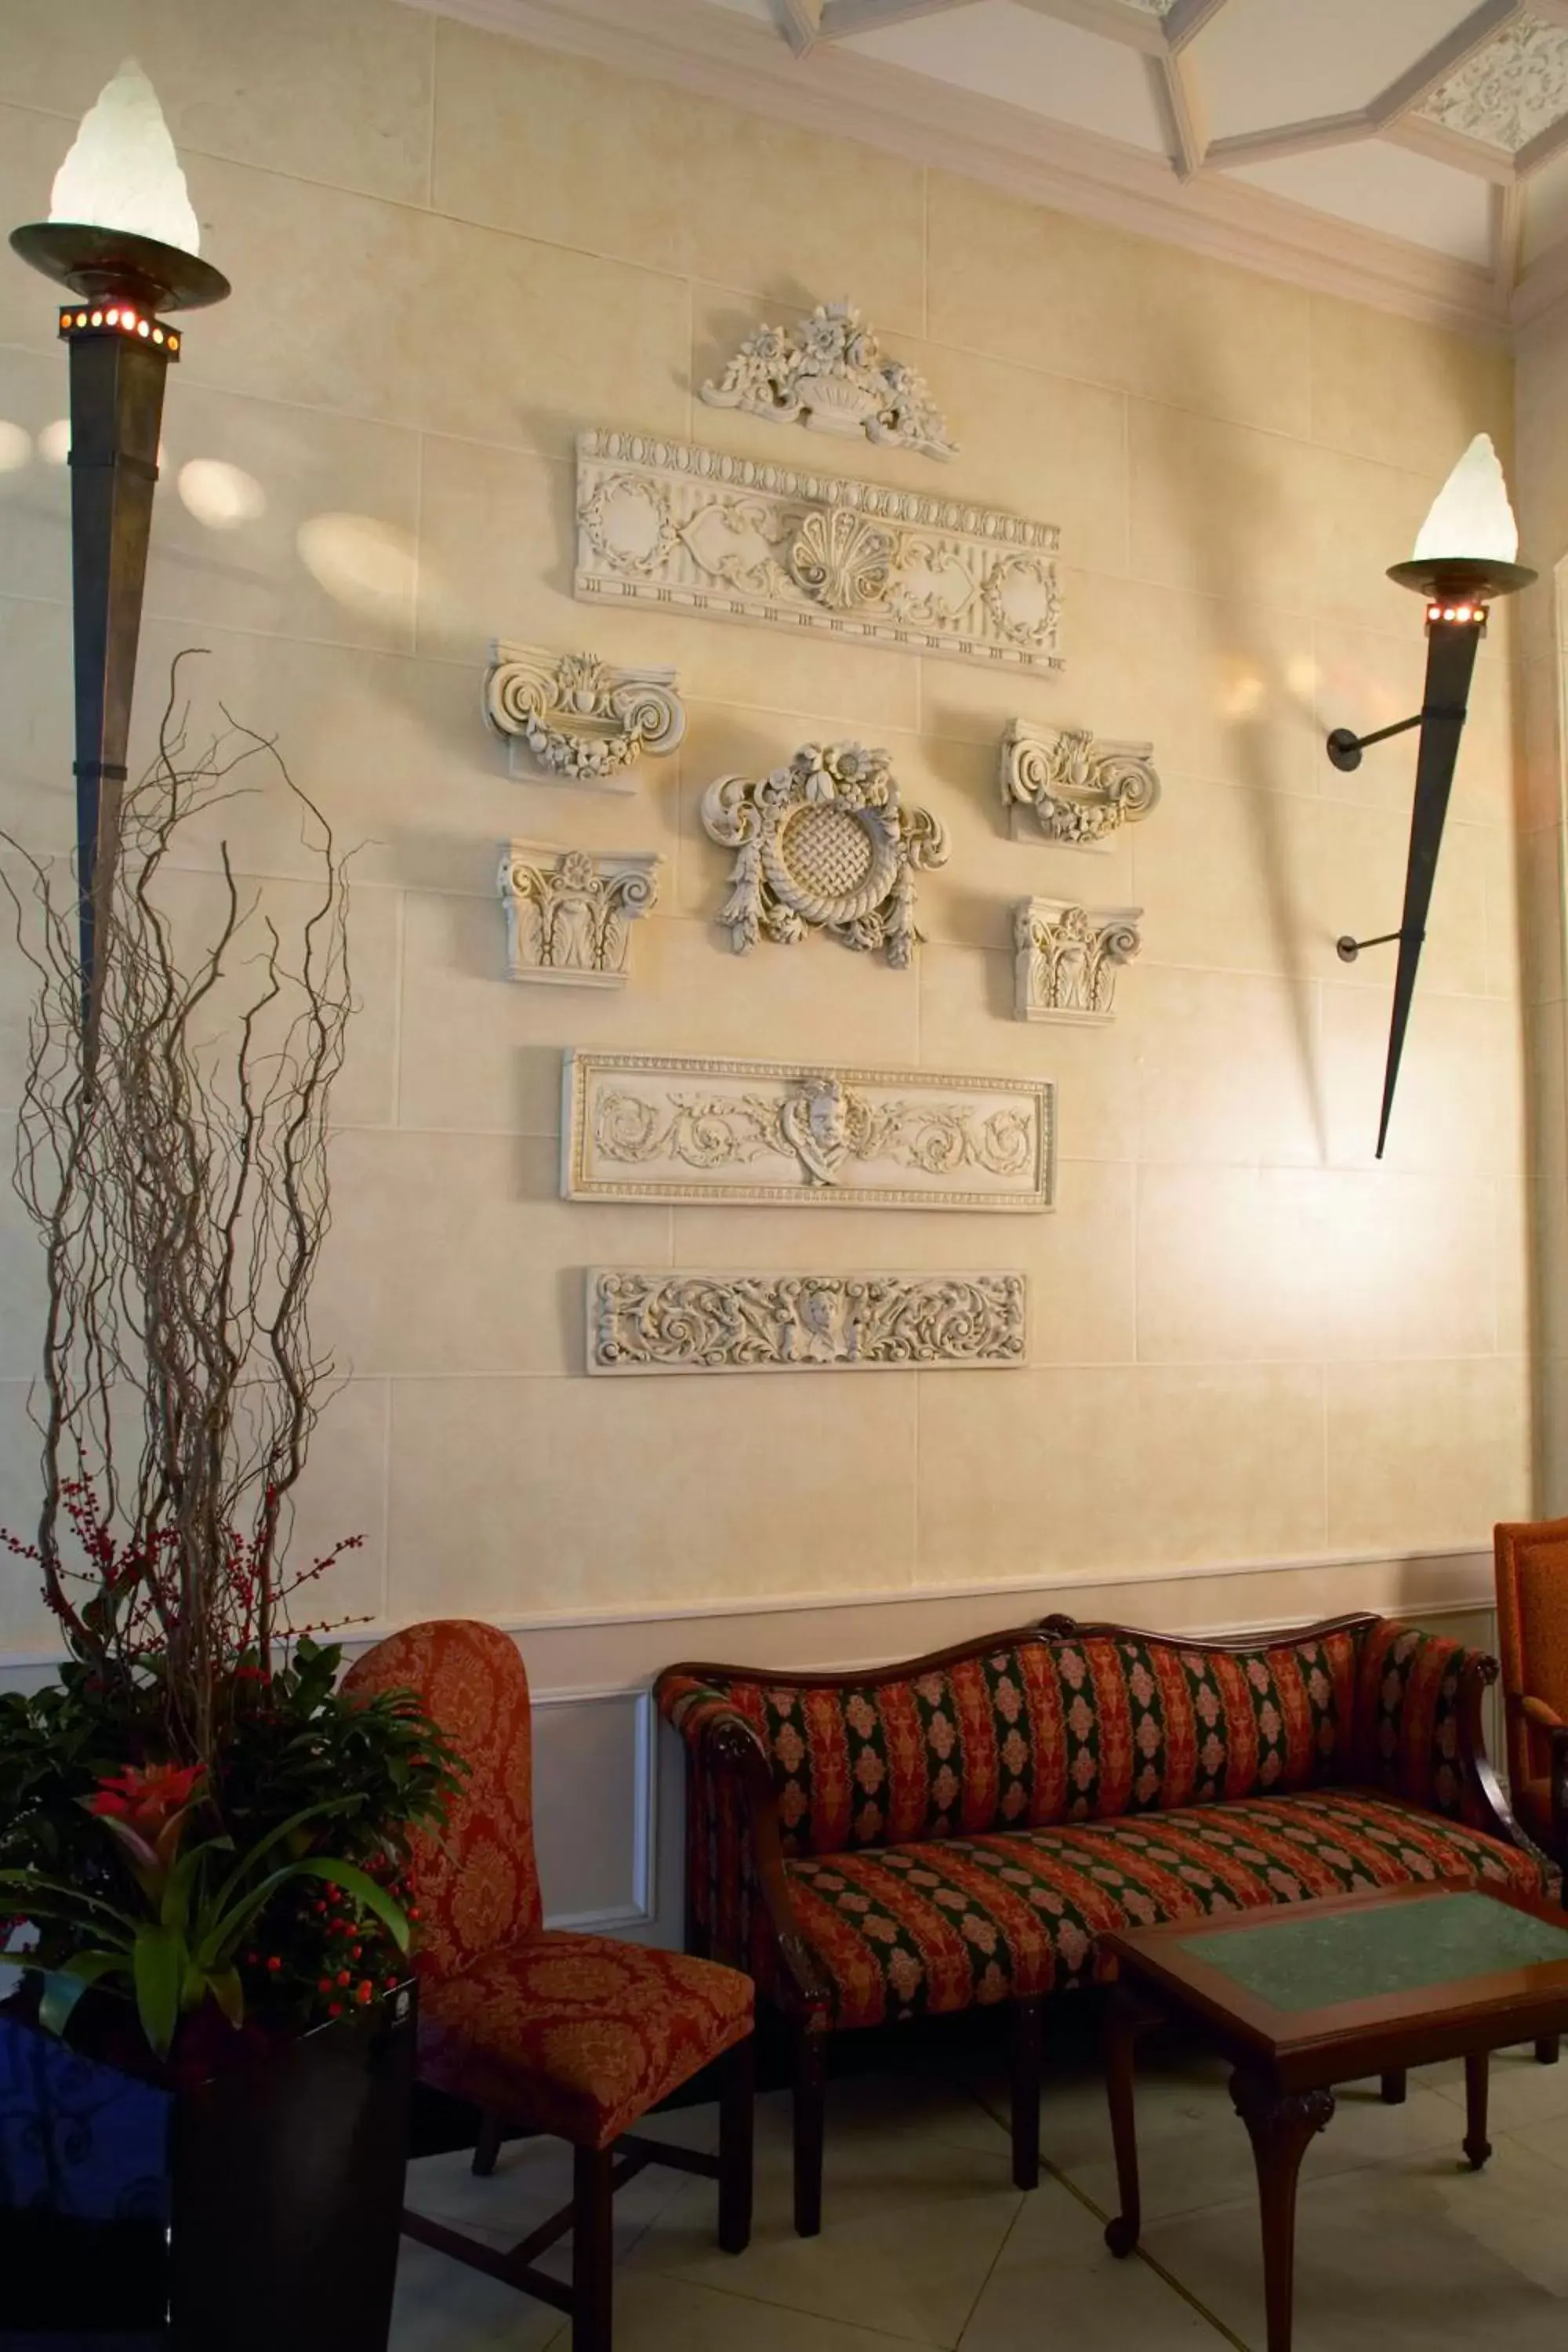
column 1419, row 1732
column 736, row 1866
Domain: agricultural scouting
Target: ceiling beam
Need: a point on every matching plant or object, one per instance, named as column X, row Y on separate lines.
column 1186, row 20
column 839, row 19
column 1507, row 237
column 800, row 22
column 1452, row 147
column 1419, row 80
column 1541, row 148
column 1180, row 102
column 1134, row 27
column 1290, row 139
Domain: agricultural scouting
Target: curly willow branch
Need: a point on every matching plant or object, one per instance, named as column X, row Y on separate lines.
column 175, row 1170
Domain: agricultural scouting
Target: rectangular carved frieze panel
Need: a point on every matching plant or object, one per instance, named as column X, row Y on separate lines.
column 663, row 522
column 656, row 1127
column 658, row 1321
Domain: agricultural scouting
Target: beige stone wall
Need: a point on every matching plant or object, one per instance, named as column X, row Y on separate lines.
column 450, row 252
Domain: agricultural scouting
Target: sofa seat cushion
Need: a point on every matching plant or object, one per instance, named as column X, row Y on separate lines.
column 577, row 2035
column 944, row 1924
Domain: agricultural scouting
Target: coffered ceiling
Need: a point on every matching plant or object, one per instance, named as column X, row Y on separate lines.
column 1414, row 151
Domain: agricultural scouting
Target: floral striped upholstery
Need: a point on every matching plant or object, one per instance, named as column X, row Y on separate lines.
column 959, row 1834
column 947, row 1924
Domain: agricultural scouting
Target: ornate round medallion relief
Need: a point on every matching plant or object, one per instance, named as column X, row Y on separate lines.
column 832, row 857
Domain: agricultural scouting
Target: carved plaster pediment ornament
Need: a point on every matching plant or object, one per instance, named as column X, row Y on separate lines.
column 691, row 530
column 658, row 1321
column 1067, row 958
column 829, row 374
column 569, row 912
column 823, row 844
column 576, row 719
column 1061, row 784
column 648, row 1127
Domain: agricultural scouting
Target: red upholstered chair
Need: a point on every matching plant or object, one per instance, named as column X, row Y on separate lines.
column 1532, row 1636
column 577, row 2036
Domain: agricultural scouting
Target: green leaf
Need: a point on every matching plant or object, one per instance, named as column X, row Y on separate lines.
column 230, row 1994
column 158, row 1961
column 243, row 1868
column 64, row 1986
column 26, row 1884
column 354, row 1880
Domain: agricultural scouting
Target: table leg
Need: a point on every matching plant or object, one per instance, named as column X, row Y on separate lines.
column 1124, row 2018
column 1477, row 2146
column 1281, row 2128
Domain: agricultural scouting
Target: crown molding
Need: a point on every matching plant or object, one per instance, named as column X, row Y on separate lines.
column 723, row 56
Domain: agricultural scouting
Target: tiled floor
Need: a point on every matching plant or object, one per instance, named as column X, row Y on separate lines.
column 926, row 2242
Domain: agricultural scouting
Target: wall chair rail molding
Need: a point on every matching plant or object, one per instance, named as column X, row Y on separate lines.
column 569, row 912
column 571, row 718
column 655, row 1127
column 666, row 523
column 823, row 844
column 828, row 374
column 1066, row 957
column 1062, row 785
column 656, row 1322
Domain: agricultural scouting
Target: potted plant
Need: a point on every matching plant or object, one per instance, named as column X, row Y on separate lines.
column 204, row 2068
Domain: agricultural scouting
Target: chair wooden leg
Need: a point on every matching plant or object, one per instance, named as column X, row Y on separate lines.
column 735, row 2107
column 810, row 2099
column 486, row 2147
column 1027, row 2043
column 592, row 2247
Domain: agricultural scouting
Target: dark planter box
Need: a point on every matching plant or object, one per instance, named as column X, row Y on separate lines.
column 258, row 2213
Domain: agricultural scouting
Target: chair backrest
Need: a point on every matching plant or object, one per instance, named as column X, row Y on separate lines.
column 1034, row 1730
column 477, row 1882
column 1532, row 1636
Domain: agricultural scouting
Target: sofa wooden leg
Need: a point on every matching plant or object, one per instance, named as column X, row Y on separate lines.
column 1027, row 2043
column 1396, row 2087
column 810, row 2097
column 1548, row 2049
column 486, row 2147
column 735, row 2107
column 593, row 2248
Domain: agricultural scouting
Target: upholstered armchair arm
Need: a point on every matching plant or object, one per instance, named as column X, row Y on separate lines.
column 1536, row 1711
column 1546, row 1718
column 1419, row 1732
column 736, row 1860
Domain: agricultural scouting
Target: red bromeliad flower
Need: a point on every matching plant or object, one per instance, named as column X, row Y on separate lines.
column 143, row 1799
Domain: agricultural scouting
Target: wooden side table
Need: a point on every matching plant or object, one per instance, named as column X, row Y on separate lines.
column 1331, row 1992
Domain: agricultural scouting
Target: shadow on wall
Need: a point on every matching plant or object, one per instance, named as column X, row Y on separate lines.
column 1257, row 690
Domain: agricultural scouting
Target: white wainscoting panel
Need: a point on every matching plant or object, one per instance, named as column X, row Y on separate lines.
column 594, row 1809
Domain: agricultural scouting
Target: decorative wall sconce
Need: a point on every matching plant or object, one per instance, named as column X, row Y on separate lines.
column 122, row 238
column 1464, row 559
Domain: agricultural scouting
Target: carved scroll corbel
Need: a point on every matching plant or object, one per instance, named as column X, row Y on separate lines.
column 576, row 720
column 1061, row 784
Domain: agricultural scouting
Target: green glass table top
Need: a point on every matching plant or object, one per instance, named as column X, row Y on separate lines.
column 1316, row 1962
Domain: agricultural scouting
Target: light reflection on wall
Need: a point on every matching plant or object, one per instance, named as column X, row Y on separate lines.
column 16, row 448
column 220, row 495
column 371, row 567
column 55, row 442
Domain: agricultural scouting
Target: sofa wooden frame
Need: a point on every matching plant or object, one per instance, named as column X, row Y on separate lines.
column 730, row 1744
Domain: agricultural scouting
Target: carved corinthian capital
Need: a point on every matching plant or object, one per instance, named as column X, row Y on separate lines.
column 578, row 719
column 823, row 844
column 568, row 913
column 1067, row 958
column 1061, row 784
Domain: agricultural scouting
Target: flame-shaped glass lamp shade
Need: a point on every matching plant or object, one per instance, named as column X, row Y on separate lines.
column 1466, row 550
column 122, row 172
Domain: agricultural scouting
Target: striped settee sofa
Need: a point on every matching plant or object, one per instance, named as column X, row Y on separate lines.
column 956, row 1830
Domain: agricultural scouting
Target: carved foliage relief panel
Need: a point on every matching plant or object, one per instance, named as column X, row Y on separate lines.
column 663, row 522
column 658, row 1321
column 823, row 844
column 650, row 1127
